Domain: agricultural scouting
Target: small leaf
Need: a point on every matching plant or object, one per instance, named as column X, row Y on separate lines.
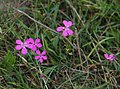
column 55, row 41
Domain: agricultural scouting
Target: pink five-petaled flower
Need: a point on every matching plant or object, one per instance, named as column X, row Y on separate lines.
column 22, row 45
column 110, row 57
column 66, row 30
column 35, row 44
column 41, row 56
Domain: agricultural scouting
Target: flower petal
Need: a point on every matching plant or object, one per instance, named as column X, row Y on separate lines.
column 65, row 33
column 60, row 28
column 44, row 57
column 67, row 23
column 41, row 60
column 111, row 56
column 70, row 32
column 34, row 48
column 39, row 45
column 24, row 51
column 106, row 56
column 111, row 59
column 37, row 57
column 44, row 52
column 19, row 42
column 114, row 57
column 37, row 40
column 18, row 47
column 38, row 52
column 30, row 40
column 29, row 46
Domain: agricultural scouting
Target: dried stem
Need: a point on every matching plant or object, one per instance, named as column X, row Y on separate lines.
column 78, row 45
column 35, row 20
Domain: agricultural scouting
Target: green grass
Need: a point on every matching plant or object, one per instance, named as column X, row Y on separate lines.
column 76, row 62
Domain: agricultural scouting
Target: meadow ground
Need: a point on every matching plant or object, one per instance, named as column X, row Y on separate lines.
column 73, row 62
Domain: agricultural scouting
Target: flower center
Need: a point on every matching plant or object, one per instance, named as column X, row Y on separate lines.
column 24, row 45
column 66, row 28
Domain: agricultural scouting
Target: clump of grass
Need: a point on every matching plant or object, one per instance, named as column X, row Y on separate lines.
column 75, row 62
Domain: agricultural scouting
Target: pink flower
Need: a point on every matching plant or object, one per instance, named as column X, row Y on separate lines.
column 41, row 56
column 35, row 44
column 22, row 45
column 67, row 31
column 110, row 57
